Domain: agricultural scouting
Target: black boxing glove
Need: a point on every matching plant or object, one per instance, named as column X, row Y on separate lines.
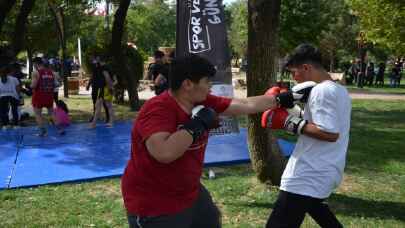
column 202, row 119
column 298, row 93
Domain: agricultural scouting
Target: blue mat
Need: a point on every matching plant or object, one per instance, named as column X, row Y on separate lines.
column 27, row 160
column 8, row 155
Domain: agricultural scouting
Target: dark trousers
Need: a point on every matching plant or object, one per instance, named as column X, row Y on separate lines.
column 290, row 209
column 5, row 103
column 94, row 95
column 202, row 214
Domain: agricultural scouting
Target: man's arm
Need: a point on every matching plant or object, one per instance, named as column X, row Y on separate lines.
column 18, row 86
column 108, row 79
column 34, row 82
column 166, row 147
column 250, row 105
column 313, row 131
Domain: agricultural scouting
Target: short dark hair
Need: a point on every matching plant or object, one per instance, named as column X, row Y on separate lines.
column 62, row 105
column 158, row 54
column 38, row 60
column 191, row 67
column 304, row 54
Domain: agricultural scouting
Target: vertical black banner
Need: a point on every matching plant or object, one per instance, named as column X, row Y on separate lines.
column 201, row 30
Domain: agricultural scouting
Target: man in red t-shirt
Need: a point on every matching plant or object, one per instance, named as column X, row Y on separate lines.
column 161, row 183
column 43, row 84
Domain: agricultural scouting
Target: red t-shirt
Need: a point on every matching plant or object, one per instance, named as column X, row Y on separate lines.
column 43, row 93
column 151, row 188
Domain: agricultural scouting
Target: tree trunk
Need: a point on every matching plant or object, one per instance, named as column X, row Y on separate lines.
column 263, row 42
column 20, row 26
column 58, row 14
column 120, row 60
column 5, row 8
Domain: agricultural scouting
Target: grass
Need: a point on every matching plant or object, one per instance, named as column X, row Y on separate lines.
column 371, row 195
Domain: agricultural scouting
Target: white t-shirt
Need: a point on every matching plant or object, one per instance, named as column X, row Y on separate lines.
column 315, row 167
column 9, row 88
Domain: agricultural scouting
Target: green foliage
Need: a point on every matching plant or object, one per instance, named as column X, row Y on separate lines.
column 338, row 41
column 383, row 21
column 325, row 23
column 152, row 25
column 135, row 63
column 238, row 31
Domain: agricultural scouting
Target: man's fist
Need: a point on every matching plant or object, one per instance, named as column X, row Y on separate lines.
column 279, row 118
column 207, row 116
column 202, row 119
column 273, row 91
column 298, row 93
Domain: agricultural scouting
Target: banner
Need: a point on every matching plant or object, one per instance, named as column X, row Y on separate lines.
column 201, row 30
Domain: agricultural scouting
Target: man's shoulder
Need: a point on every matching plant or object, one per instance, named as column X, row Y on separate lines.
column 159, row 102
column 329, row 89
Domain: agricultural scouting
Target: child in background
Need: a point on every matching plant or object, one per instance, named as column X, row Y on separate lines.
column 61, row 116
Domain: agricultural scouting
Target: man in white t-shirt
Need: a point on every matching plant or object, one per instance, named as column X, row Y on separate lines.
column 9, row 95
column 316, row 165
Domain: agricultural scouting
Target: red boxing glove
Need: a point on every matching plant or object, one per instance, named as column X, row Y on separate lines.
column 274, row 118
column 273, row 91
column 279, row 118
column 283, row 90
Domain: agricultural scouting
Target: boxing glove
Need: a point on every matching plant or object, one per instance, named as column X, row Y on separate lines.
column 296, row 111
column 298, row 93
column 202, row 119
column 273, row 91
column 279, row 118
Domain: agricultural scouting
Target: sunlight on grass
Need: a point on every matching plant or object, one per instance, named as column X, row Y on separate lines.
column 372, row 193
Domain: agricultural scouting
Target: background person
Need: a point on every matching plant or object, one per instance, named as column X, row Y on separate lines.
column 9, row 95
column 158, row 72
column 104, row 95
column 97, row 83
column 43, row 85
column 61, row 116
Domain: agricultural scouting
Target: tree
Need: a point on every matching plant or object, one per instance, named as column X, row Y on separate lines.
column 152, row 25
column 20, row 26
column 5, row 8
column 238, row 28
column 263, row 49
column 338, row 41
column 303, row 21
column 383, row 22
column 120, row 60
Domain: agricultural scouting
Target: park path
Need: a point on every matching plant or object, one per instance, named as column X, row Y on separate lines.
column 241, row 93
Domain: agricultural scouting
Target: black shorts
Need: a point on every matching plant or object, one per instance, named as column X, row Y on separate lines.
column 202, row 214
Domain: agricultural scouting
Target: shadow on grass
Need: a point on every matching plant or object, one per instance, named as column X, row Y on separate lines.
column 349, row 206
column 357, row 207
column 375, row 139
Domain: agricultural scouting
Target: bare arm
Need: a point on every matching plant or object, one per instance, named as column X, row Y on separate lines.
column 166, row 147
column 159, row 79
column 35, row 77
column 313, row 131
column 250, row 105
column 18, row 88
column 108, row 79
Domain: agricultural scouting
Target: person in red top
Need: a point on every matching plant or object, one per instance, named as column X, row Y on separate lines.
column 161, row 183
column 43, row 84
